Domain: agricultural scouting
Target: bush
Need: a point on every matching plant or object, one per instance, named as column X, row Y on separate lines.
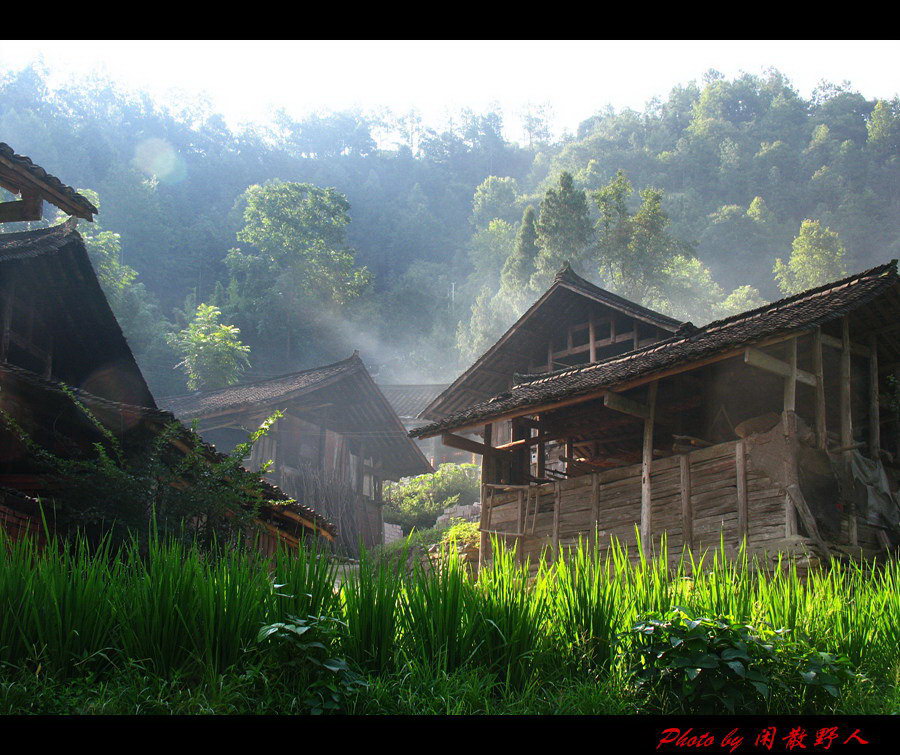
column 303, row 648
column 698, row 664
column 137, row 492
column 417, row 502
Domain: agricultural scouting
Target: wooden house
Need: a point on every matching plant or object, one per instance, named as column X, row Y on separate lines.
column 58, row 333
column 338, row 440
column 778, row 425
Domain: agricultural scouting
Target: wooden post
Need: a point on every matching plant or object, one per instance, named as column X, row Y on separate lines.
column 847, row 418
column 742, row 505
column 595, row 506
column 646, row 462
column 790, row 511
column 592, row 338
column 687, row 504
column 846, row 414
column 520, row 528
column 486, row 466
column 874, row 410
column 790, row 382
column 550, row 355
column 819, row 370
column 558, row 499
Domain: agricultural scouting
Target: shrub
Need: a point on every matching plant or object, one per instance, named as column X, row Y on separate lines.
column 303, row 647
column 697, row 664
column 202, row 497
column 418, row 501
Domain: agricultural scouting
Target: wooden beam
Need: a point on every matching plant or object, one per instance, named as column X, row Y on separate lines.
column 525, row 442
column 625, row 386
column 28, row 183
column 592, row 337
column 29, row 207
column 819, row 371
column 486, row 478
column 838, row 343
column 467, row 444
column 757, row 358
column 874, row 409
column 619, row 403
column 646, row 463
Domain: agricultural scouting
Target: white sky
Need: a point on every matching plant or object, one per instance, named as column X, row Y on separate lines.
column 246, row 80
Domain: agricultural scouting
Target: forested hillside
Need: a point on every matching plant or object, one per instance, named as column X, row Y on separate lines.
column 352, row 230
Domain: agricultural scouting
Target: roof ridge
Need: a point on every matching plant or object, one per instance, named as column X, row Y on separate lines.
column 39, row 173
column 536, row 378
column 567, row 275
column 195, row 394
column 808, row 293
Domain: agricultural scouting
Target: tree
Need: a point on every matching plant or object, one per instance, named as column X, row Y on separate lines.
column 637, row 253
column 494, row 198
column 296, row 265
column 817, row 257
column 484, row 326
column 515, row 277
column 489, row 249
column 564, row 231
column 742, row 299
column 884, row 127
column 213, row 355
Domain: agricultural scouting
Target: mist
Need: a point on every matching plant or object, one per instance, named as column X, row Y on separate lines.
column 405, row 248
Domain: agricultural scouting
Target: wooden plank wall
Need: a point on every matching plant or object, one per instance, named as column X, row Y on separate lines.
column 712, row 499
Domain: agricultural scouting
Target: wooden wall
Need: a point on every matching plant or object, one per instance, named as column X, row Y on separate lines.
column 695, row 497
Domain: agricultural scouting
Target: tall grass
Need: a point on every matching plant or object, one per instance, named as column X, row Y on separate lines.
column 174, row 610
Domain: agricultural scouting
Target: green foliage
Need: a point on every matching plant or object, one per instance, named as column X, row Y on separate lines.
column 563, row 230
column 817, row 257
column 740, row 162
column 461, row 532
column 296, row 257
column 518, row 269
column 638, row 255
column 141, row 491
column 495, row 198
column 697, row 664
column 418, row 501
column 304, row 647
column 213, row 355
column 174, row 628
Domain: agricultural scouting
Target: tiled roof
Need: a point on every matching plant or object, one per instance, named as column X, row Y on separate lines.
column 567, row 285
column 409, row 400
column 799, row 312
column 571, row 279
column 78, row 204
column 27, row 244
column 200, row 403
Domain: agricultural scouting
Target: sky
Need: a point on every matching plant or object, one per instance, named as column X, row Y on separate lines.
column 247, row 80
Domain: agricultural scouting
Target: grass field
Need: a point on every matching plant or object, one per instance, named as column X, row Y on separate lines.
column 171, row 630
